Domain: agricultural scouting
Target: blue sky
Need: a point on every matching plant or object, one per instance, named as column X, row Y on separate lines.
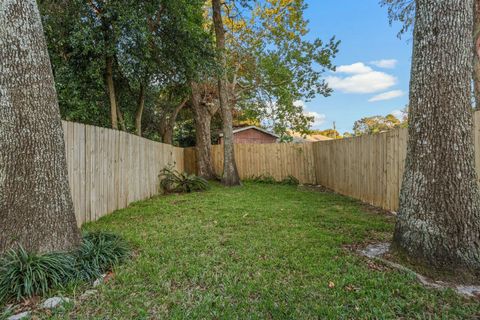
column 373, row 65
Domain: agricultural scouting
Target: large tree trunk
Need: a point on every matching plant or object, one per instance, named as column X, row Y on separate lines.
column 476, row 59
column 203, row 119
column 167, row 135
column 121, row 120
column 139, row 113
column 36, row 209
column 439, row 216
column 230, row 173
column 111, row 91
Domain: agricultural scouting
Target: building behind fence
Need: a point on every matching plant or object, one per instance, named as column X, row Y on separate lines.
column 109, row 169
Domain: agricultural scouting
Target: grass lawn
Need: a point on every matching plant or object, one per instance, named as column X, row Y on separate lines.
column 258, row 252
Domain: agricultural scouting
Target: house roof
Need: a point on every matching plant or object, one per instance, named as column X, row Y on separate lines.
column 255, row 128
column 297, row 137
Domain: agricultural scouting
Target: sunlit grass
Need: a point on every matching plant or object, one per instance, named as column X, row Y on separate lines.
column 257, row 252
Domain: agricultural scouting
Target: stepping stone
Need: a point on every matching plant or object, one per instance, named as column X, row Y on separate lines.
column 88, row 293
column 19, row 316
column 54, row 302
column 375, row 250
column 99, row 281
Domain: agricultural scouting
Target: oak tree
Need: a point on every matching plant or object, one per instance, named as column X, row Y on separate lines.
column 439, row 215
column 36, row 209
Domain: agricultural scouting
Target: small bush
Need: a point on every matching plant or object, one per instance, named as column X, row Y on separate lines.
column 24, row 274
column 268, row 179
column 290, row 180
column 174, row 181
column 98, row 253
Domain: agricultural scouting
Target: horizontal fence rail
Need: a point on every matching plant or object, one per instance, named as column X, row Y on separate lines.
column 109, row 169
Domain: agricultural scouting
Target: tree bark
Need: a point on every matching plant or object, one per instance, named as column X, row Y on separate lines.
column 230, row 175
column 167, row 135
column 111, row 91
column 121, row 121
column 36, row 209
column 139, row 113
column 439, row 217
column 203, row 119
column 476, row 59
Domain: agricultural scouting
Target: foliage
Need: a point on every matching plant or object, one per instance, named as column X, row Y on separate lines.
column 290, row 181
column 272, row 67
column 159, row 44
column 98, row 253
column 24, row 274
column 331, row 133
column 266, row 251
column 268, row 179
column 402, row 11
column 173, row 181
column 264, row 178
column 377, row 124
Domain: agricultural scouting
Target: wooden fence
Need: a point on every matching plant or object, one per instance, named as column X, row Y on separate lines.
column 108, row 169
column 278, row 160
column 368, row 168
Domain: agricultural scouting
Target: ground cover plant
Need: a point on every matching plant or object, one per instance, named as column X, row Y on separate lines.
column 25, row 274
column 268, row 179
column 258, row 252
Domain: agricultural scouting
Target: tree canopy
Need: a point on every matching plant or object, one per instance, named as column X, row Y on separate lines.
column 157, row 44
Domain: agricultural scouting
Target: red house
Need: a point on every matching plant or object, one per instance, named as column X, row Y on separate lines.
column 252, row 134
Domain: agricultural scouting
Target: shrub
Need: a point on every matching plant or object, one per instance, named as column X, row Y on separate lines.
column 264, row 178
column 174, row 181
column 268, row 179
column 290, row 180
column 98, row 253
column 24, row 274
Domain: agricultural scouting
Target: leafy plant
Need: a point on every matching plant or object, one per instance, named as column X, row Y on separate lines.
column 99, row 252
column 268, row 179
column 264, row 178
column 24, row 274
column 174, row 181
column 290, row 180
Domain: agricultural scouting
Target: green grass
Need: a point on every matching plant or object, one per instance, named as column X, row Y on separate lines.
column 257, row 252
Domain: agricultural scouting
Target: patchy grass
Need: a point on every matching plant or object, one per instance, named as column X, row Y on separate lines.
column 258, row 252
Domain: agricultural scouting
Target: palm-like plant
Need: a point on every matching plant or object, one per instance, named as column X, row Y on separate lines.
column 173, row 181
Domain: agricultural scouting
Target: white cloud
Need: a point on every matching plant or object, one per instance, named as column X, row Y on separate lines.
column 299, row 103
column 387, row 95
column 399, row 114
column 385, row 63
column 370, row 82
column 356, row 68
column 318, row 118
column 362, row 79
